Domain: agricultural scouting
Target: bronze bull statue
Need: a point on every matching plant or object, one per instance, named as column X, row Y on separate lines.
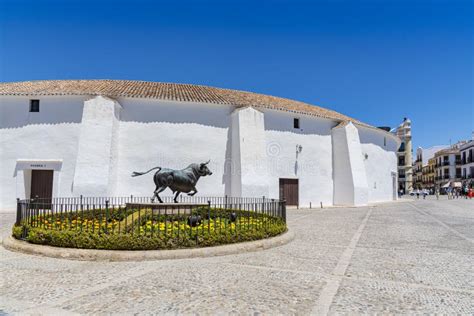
column 178, row 181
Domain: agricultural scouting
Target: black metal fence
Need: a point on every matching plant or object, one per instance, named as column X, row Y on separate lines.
column 137, row 215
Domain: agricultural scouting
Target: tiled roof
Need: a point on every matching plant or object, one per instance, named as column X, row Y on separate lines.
column 167, row 91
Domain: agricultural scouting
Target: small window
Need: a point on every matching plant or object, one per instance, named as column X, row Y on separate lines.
column 34, row 105
column 296, row 123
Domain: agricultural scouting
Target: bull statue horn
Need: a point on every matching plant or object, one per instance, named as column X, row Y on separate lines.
column 207, row 162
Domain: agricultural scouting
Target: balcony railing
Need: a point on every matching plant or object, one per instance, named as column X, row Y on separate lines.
column 445, row 163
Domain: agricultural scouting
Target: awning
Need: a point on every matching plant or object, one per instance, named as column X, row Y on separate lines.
column 457, row 184
column 446, row 185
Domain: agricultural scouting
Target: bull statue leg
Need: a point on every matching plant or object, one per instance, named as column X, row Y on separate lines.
column 176, row 196
column 155, row 194
column 194, row 191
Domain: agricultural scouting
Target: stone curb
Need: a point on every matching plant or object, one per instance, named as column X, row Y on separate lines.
column 13, row 244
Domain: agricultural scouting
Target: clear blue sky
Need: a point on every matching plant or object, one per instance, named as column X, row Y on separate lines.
column 377, row 60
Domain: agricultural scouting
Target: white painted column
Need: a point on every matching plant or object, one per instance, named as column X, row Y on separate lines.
column 95, row 173
column 350, row 179
column 249, row 176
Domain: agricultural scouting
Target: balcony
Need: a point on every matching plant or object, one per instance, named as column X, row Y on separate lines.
column 445, row 163
column 458, row 162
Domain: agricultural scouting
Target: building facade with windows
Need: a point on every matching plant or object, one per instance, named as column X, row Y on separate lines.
column 86, row 137
column 467, row 162
column 448, row 166
column 404, row 156
column 428, row 175
column 423, row 155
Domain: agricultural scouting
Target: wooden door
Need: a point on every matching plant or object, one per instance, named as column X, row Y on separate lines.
column 289, row 191
column 42, row 185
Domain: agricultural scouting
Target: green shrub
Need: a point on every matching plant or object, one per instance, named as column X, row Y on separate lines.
column 151, row 231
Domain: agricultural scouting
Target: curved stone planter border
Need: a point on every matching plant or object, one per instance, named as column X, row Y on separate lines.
column 13, row 244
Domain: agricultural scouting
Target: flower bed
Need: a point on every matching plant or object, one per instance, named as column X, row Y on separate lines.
column 145, row 229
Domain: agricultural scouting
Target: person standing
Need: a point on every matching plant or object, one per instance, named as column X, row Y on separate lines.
column 437, row 193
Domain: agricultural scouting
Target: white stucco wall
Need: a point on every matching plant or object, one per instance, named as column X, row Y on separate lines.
column 171, row 134
column 312, row 167
column 98, row 142
column 249, row 170
column 350, row 178
column 52, row 133
column 380, row 161
column 97, row 148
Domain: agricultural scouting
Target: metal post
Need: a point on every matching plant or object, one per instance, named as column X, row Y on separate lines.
column 18, row 212
column 106, row 214
column 209, row 217
column 36, row 210
column 283, row 209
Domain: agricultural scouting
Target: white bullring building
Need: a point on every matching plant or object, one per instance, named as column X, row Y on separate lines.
column 85, row 137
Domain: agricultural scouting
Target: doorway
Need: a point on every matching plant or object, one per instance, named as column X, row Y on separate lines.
column 42, row 185
column 289, row 191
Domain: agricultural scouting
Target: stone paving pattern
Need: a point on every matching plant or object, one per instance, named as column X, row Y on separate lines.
column 413, row 256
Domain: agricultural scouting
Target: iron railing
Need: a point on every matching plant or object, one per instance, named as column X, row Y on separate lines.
column 137, row 215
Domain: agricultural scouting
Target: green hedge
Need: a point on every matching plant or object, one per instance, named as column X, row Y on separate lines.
column 145, row 239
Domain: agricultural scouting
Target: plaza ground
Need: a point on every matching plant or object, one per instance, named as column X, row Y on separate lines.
column 412, row 256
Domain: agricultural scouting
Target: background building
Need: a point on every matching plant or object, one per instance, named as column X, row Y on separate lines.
column 404, row 156
column 423, row 155
column 430, row 174
column 448, row 166
column 467, row 162
column 85, row 137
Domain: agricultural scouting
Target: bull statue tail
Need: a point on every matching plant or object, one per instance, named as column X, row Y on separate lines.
column 136, row 174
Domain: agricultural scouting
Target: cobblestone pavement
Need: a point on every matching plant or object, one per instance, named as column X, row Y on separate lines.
column 404, row 257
